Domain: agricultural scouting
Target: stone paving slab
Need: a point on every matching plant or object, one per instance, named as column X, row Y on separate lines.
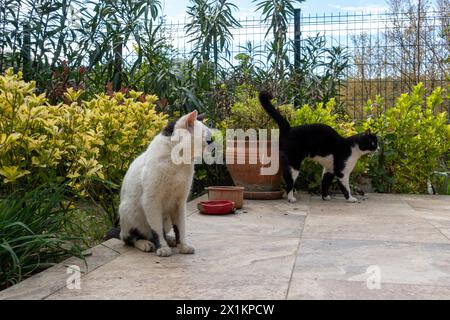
column 216, row 271
column 53, row 279
column 277, row 250
column 256, row 218
column 312, row 289
column 397, row 262
column 375, row 218
column 368, row 206
column 359, row 226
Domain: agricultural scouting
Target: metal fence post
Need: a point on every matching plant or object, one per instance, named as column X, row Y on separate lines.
column 297, row 37
column 117, row 74
column 26, row 52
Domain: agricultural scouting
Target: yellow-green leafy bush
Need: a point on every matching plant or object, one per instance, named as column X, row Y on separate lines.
column 88, row 144
column 413, row 140
column 247, row 112
column 325, row 114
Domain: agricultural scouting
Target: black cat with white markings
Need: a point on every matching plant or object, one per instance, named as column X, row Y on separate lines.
column 321, row 143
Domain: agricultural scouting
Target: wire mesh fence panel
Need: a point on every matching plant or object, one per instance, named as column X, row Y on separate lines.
column 388, row 52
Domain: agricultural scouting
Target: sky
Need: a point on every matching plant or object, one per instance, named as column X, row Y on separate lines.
column 175, row 9
column 330, row 27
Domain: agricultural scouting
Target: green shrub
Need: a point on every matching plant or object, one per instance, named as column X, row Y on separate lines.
column 88, row 144
column 247, row 112
column 325, row 114
column 413, row 140
column 36, row 231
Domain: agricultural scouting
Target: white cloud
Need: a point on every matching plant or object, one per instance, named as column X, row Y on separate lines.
column 368, row 9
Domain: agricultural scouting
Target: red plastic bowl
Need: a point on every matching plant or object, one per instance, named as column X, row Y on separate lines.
column 216, row 207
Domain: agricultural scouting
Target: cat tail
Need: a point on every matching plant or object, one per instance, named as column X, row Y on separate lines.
column 113, row 233
column 265, row 99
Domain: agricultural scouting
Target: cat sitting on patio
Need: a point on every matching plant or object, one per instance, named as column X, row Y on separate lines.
column 155, row 190
column 321, row 143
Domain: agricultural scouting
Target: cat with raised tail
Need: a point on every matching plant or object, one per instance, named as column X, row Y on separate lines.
column 155, row 190
column 337, row 155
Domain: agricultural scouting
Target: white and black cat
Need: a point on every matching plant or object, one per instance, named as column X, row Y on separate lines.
column 321, row 143
column 155, row 190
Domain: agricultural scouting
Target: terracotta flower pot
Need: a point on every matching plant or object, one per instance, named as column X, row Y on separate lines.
column 248, row 175
column 235, row 194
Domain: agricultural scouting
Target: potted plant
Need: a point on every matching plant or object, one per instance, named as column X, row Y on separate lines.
column 247, row 113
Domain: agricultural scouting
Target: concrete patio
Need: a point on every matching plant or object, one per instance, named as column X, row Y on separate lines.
column 386, row 247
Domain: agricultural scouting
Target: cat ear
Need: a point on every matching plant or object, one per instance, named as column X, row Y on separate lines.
column 368, row 131
column 191, row 118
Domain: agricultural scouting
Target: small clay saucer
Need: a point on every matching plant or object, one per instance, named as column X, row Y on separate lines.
column 263, row 195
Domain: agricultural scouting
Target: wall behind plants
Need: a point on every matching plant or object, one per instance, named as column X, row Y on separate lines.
column 86, row 144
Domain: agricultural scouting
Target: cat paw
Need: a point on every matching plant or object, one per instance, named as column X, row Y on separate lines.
column 327, row 198
column 171, row 241
column 145, row 245
column 185, row 249
column 352, row 200
column 164, row 252
column 291, row 197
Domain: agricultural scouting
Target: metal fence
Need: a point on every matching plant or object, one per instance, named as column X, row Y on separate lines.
column 389, row 52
